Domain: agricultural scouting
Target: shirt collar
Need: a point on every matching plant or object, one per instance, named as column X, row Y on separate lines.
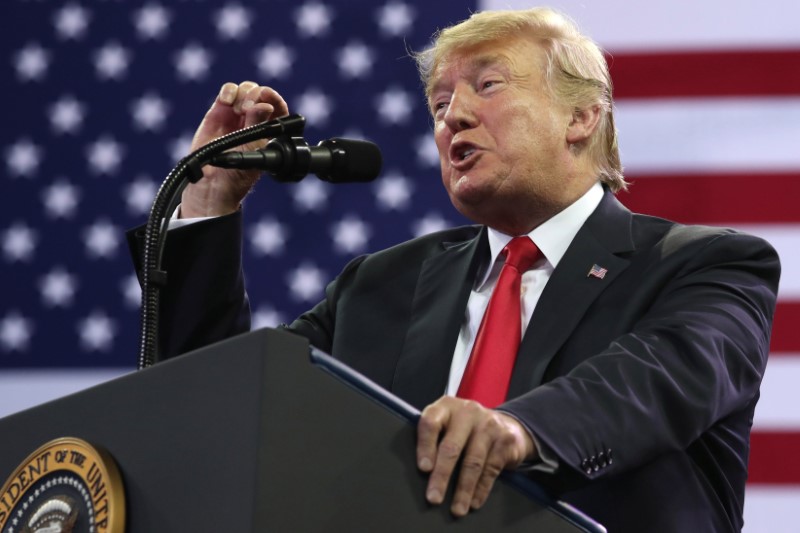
column 553, row 236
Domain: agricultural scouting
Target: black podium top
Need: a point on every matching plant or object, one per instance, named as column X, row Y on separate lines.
column 252, row 434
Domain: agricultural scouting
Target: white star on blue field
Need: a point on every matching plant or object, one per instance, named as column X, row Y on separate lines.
column 108, row 96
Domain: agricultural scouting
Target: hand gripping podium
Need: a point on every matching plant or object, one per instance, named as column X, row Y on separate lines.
column 252, row 434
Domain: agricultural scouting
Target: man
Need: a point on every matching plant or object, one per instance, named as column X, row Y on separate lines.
column 632, row 392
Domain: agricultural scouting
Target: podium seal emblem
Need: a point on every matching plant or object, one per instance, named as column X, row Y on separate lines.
column 66, row 486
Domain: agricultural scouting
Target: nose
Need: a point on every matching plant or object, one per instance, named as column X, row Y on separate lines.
column 461, row 111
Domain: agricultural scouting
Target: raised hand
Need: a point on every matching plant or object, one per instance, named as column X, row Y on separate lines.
column 221, row 191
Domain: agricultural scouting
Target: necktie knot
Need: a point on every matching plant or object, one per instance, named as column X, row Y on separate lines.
column 521, row 253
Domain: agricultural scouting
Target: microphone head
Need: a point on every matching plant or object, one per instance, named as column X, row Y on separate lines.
column 353, row 161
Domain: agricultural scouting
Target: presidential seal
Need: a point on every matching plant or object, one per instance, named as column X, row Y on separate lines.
column 66, row 486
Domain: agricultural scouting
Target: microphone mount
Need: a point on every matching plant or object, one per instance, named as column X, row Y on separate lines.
column 289, row 159
column 296, row 155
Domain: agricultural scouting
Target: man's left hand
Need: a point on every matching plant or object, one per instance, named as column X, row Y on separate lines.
column 489, row 442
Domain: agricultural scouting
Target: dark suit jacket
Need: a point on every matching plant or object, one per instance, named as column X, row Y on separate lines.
column 642, row 383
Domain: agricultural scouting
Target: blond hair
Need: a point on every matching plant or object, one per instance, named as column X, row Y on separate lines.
column 576, row 73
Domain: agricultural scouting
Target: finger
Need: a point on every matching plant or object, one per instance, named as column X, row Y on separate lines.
column 258, row 113
column 473, row 466
column 251, row 96
column 430, row 425
column 267, row 95
column 510, row 445
column 491, row 470
column 456, row 437
column 242, row 95
column 219, row 119
column 222, row 104
column 227, row 94
column 271, row 96
column 261, row 104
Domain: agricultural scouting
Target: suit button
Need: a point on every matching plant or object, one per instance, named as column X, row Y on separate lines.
column 610, row 457
column 601, row 459
column 586, row 467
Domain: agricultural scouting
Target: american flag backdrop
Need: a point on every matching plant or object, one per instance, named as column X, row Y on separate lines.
column 100, row 99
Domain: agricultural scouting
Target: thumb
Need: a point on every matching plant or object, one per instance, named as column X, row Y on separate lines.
column 220, row 118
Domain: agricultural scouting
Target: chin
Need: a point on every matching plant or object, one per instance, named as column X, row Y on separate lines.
column 466, row 191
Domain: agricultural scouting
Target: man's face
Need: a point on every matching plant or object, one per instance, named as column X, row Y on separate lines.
column 501, row 137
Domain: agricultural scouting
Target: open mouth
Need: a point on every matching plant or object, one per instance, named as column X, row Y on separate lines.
column 462, row 153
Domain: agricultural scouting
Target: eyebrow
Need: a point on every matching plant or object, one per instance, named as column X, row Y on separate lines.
column 474, row 64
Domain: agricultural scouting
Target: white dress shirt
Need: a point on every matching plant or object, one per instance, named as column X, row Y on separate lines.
column 552, row 237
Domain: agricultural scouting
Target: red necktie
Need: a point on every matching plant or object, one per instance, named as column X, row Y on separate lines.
column 488, row 371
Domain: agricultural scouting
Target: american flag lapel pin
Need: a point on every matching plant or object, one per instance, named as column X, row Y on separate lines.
column 597, row 272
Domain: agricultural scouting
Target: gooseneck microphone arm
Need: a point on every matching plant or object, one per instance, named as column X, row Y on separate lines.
column 188, row 169
column 288, row 157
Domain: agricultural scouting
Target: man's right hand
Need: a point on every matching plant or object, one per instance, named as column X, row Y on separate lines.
column 221, row 191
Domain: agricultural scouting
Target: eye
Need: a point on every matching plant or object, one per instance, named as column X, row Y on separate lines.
column 488, row 84
column 438, row 107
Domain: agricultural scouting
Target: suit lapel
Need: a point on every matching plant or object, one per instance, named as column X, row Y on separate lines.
column 570, row 290
column 440, row 301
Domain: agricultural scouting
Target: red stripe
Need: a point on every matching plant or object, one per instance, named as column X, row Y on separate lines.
column 693, row 74
column 786, row 329
column 717, row 198
column 774, row 457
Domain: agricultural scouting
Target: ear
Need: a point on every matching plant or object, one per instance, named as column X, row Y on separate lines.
column 584, row 122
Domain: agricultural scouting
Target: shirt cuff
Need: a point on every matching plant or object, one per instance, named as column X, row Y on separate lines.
column 175, row 222
column 546, row 462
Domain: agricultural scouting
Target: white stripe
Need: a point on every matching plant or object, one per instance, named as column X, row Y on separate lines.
column 709, row 134
column 786, row 240
column 621, row 25
column 771, row 509
column 21, row 389
column 777, row 408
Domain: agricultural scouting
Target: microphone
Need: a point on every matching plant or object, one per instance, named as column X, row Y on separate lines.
column 290, row 159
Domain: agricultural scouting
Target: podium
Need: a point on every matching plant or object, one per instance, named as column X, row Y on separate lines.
column 263, row 433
